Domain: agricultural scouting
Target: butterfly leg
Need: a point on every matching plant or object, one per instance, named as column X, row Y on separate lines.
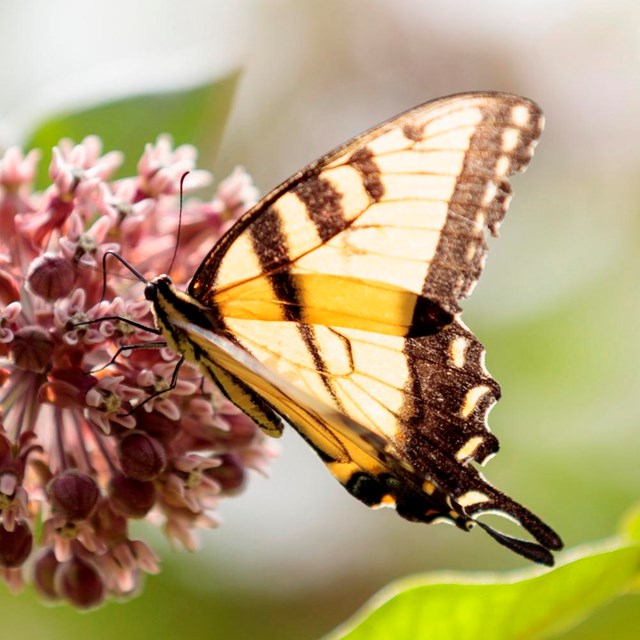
column 155, row 394
column 156, row 344
column 132, row 323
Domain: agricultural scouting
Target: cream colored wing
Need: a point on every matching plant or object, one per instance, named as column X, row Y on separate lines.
column 342, row 287
column 350, row 423
column 387, row 233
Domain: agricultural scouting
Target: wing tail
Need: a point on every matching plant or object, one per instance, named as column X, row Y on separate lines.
column 501, row 504
column 530, row 550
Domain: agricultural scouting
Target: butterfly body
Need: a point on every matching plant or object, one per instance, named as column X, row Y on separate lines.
column 332, row 306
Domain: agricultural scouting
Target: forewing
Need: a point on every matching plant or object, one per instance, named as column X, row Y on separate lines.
column 388, row 232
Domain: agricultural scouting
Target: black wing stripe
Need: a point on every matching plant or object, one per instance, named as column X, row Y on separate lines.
column 324, row 206
column 269, row 243
column 363, row 161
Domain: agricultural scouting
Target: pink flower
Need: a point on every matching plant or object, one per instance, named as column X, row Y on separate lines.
column 92, row 434
column 17, row 173
column 237, row 193
column 161, row 168
column 16, row 170
column 86, row 247
column 76, row 166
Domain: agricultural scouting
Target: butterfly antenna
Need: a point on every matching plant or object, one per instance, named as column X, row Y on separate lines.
column 175, row 250
column 129, row 266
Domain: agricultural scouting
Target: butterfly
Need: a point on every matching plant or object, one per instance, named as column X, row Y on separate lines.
column 332, row 306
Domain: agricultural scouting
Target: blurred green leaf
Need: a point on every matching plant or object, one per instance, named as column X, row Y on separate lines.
column 630, row 531
column 529, row 605
column 630, row 528
column 195, row 116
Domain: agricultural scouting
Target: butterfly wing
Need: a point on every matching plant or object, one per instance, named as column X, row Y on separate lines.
column 396, row 219
column 366, row 462
column 346, row 282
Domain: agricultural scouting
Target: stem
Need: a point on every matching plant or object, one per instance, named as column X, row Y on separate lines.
column 105, row 452
column 58, row 419
column 85, row 454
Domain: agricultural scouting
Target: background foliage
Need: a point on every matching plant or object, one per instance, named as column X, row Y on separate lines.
column 557, row 307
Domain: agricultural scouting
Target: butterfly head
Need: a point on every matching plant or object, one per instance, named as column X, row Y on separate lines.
column 158, row 288
column 174, row 310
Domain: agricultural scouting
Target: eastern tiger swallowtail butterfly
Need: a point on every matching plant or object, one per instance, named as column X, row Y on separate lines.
column 333, row 306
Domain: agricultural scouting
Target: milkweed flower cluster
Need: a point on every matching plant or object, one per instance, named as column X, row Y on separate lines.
column 78, row 461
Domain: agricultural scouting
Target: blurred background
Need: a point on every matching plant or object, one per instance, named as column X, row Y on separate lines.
column 557, row 307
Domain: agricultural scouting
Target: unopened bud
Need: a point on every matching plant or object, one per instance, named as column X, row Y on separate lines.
column 32, row 349
column 80, row 583
column 229, row 475
column 44, row 571
column 73, row 495
column 159, row 426
column 16, row 545
column 51, row 277
column 141, row 456
column 131, row 498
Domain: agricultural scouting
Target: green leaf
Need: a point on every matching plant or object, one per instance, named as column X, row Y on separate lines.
column 630, row 527
column 524, row 605
column 630, row 532
column 195, row 116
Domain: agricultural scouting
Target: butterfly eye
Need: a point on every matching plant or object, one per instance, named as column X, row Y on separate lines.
column 151, row 291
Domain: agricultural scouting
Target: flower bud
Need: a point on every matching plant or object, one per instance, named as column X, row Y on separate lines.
column 44, row 570
column 80, row 583
column 131, row 498
column 241, row 433
column 141, row 456
column 32, row 349
column 16, row 545
column 229, row 475
column 73, row 495
column 159, row 426
column 51, row 277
